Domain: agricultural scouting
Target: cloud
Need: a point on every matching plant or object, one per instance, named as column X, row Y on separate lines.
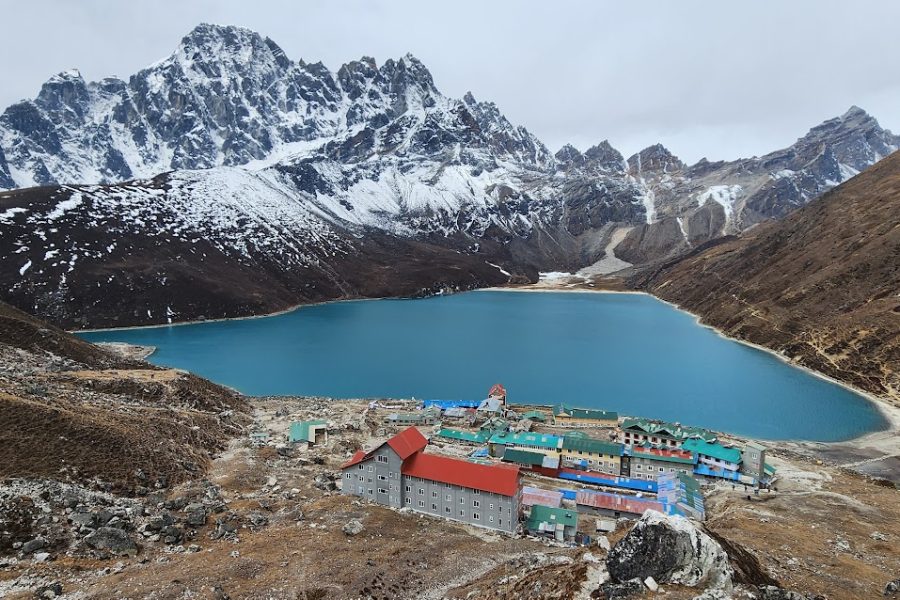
column 720, row 80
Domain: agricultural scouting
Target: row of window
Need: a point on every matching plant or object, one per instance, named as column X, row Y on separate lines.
column 462, row 513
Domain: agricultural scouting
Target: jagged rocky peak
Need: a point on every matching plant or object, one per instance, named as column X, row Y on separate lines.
column 856, row 139
column 604, row 157
column 654, row 159
column 569, row 157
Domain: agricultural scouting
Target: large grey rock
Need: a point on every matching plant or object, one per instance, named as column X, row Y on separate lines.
column 352, row 527
column 892, row 589
column 114, row 541
column 671, row 550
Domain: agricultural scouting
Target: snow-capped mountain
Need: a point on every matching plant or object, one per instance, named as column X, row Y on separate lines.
column 230, row 179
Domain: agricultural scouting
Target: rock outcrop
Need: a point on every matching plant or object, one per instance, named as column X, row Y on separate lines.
column 670, row 549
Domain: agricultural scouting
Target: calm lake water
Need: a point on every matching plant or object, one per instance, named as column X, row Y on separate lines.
column 625, row 352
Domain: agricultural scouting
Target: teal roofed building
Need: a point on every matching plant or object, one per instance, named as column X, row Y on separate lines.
column 660, row 433
column 311, row 432
column 535, row 415
column 583, row 417
column 714, row 454
column 459, row 435
column 559, row 523
column 542, row 442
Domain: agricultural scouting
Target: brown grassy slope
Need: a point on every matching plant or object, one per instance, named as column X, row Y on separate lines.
column 821, row 285
column 21, row 330
column 66, row 414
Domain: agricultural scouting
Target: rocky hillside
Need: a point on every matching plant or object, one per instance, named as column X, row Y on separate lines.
column 228, row 179
column 820, row 286
column 76, row 413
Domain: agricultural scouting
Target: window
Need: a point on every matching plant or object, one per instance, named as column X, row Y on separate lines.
column 449, row 497
column 476, row 516
column 409, row 500
column 434, row 493
column 421, row 491
column 391, row 474
column 661, row 469
column 382, row 459
column 382, row 478
column 409, row 488
column 348, row 475
column 371, row 468
column 477, row 492
column 476, row 503
column 382, row 491
column 421, row 504
column 638, row 467
column 361, row 478
column 500, row 522
column 462, row 513
column 462, row 500
column 433, row 506
column 491, row 518
column 370, row 491
column 360, row 489
column 447, row 509
column 491, row 506
column 361, row 467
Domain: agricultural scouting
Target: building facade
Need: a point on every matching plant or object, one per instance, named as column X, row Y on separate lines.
column 564, row 416
column 660, row 433
column 400, row 474
column 651, row 463
column 588, row 453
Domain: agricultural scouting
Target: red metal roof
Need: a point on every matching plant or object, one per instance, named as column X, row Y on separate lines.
column 500, row 479
column 628, row 504
column 407, row 442
column 356, row 458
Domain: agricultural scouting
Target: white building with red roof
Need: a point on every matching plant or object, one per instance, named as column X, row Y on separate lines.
column 399, row 473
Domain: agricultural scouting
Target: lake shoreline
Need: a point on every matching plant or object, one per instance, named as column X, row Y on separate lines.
column 889, row 413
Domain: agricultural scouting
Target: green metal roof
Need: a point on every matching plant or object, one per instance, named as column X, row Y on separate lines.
column 584, row 413
column 546, row 514
column 464, row 436
column 535, row 415
column 587, row 444
column 539, row 440
column 523, row 457
column 715, row 450
column 300, row 429
column 678, row 432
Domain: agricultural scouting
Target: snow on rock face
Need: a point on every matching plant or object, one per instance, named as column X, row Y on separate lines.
column 671, row 550
column 726, row 195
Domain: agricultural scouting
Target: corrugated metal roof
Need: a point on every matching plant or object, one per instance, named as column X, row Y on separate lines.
column 548, row 514
column 464, row 436
column 584, row 413
column 499, row 479
column 539, row 440
column 357, row 457
column 673, row 430
column 673, row 456
column 588, row 444
column 615, row 502
column 523, row 457
column 715, row 450
column 535, row 415
column 407, row 442
column 533, row 495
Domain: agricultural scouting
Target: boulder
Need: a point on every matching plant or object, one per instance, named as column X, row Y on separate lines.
column 112, row 540
column 670, row 549
column 47, row 592
column 626, row 589
column 195, row 515
column 352, row 527
column 892, row 589
column 34, row 545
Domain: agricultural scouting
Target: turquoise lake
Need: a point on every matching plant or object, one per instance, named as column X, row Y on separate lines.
column 625, row 352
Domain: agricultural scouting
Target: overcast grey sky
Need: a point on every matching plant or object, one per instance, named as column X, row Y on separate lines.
column 721, row 79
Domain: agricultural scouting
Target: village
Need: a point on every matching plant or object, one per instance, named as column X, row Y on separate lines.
column 564, row 474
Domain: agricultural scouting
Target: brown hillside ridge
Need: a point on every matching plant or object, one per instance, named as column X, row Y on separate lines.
column 821, row 286
column 74, row 412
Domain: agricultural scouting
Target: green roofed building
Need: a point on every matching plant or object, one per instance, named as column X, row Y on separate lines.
column 525, row 458
column 458, row 435
column 559, row 523
column 580, row 450
column 714, row 454
column 583, row 417
column 535, row 415
column 541, row 442
column 312, row 432
column 660, row 433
